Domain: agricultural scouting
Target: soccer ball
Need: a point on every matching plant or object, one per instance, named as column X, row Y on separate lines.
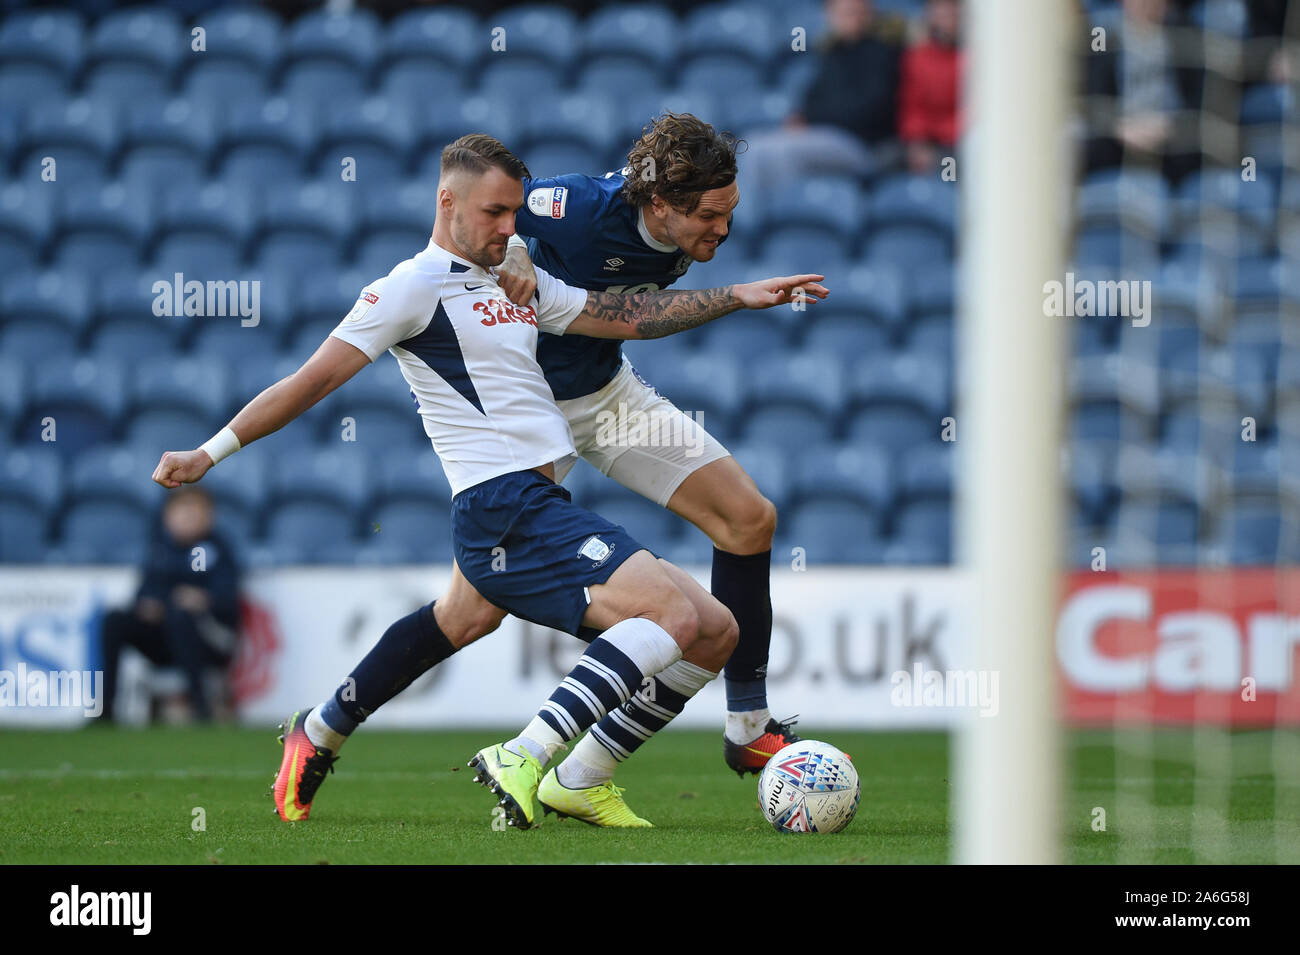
column 809, row 786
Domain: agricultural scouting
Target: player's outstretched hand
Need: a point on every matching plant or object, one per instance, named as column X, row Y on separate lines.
column 517, row 277
column 182, row 467
column 781, row 291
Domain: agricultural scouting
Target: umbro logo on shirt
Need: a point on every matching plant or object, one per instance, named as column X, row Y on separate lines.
column 614, row 264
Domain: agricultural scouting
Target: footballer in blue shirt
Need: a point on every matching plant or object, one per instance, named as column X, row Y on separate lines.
column 638, row 231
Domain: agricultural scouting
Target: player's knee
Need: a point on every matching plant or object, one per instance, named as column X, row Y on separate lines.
column 750, row 524
column 464, row 627
column 679, row 618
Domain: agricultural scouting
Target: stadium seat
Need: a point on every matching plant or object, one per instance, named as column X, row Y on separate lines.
column 931, row 292
column 1207, row 375
column 322, row 83
column 1113, row 397
column 102, row 532
column 305, row 226
column 915, row 200
column 125, row 316
column 167, row 141
column 925, row 472
column 731, row 77
column 1257, row 532
column 61, row 298
column 311, row 531
column 1114, row 247
column 102, row 228
column 170, row 428
column 927, row 527
column 553, row 159
column 502, row 78
column 739, row 29
column 410, row 476
column 640, row 31
column 422, row 530
column 1221, row 196
column 746, row 339
column 198, row 385
column 26, row 223
column 26, row 82
column 1133, row 199
column 376, row 132
column 121, row 473
column 448, row 35
column 238, row 487
column 839, row 472
column 585, row 118
column 639, row 109
column 216, row 212
column 770, row 469
column 794, row 250
column 248, row 36
column 266, row 140
column 337, row 473
column 813, row 380
column 220, row 83
column 51, row 38
column 903, row 380
column 33, row 477
column 23, row 532
column 892, row 427
column 327, row 36
column 790, row 428
column 758, row 110
column 833, row 532
column 443, row 120
column 907, row 247
column 647, row 522
column 1173, row 527
column 932, row 336
column 850, row 336
column 707, row 381
column 81, row 136
column 411, row 82
column 825, row 202
column 403, row 205
column 543, row 32
column 81, row 397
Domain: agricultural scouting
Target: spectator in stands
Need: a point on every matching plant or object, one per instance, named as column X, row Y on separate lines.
column 186, row 612
column 847, row 120
column 929, row 89
column 1143, row 93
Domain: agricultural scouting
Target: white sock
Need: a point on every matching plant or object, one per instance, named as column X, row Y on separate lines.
column 538, row 739
column 321, row 734
column 590, row 764
column 748, row 726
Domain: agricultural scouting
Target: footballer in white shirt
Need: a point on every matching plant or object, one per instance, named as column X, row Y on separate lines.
column 656, row 636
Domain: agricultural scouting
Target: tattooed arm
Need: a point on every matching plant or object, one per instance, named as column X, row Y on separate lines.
column 656, row 314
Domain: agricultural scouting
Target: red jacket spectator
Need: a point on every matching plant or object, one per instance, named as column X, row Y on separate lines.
column 928, row 94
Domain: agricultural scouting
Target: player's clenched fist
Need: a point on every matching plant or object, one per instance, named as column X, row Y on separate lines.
column 517, row 277
column 780, row 291
column 181, row 467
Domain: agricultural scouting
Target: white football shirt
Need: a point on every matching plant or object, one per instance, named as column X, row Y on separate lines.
column 470, row 357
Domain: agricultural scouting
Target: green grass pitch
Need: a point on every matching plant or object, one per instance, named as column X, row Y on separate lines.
column 128, row 796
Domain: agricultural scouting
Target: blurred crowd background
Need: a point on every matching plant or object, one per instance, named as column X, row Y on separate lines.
column 227, row 164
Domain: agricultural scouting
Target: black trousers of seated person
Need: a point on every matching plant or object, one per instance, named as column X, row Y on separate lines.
column 176, row 641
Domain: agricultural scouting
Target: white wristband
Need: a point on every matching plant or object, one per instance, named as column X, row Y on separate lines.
column 221, row 445
column 515, row 242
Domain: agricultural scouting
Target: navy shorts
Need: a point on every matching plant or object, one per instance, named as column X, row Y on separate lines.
column 526, row 547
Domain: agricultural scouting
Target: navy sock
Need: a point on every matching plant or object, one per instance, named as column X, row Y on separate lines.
column 408, row 649
column 742, row 583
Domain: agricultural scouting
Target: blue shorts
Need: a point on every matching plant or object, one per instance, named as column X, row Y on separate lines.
column 526, row 547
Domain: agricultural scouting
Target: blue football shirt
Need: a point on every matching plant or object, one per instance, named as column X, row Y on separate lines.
column 581, row 230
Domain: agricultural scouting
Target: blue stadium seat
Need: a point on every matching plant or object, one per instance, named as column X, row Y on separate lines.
column 199, row 385
column 915, row 200
column 26, row 222
column 80, row 134
column 747, row 339
column 167, row 142
column 907, row 247
column 121, row 82
column 826, row 202
column 707, row 381
column 443, row 120
column 27, row 82
column 795, row 250
column 410, row 476
column 813, row 380
column 1133, row 199
column 1215, row 374
column 850, row 336
column 52, row 38
column 266, row 140
column 102, row 532
column 933, row 335
column 585, row 118
column 322, row 83
column 902, row 380
column 402, row 205
column 1210, row 429
column 170, row 429
column 728, row 76
column 239, row 486
column 377, row 427
column 734, row 28
column 769, row 468
column 1262, row 468
column 222, row 83
column 1113, row 397
column 791, row 428
column 151, row 37
column 1266, row 103
column 413, row 81
column 376, row 132
column 311, row 531
column 651, row 357
column 641, row 31
column 121, row 473
column 1089, row 472
column 34, row 477
column 502, row 78
column 60, row 298
column 1173, row 527
column 216, row 212
column 420, row 529
column 554, row 159
column 1257, row 532
column 306, row 225
column 544, row 32
column 325, row 299
column 447, row 35
column 1204, row 193
column 1165, row 476
column 834, row 532
column 1227, row 17
column 34, row 339
column 249, row 36
column 893, row 427
column 102, row 228
column 126, row 324
column 349, row 38
column 23, row 529
column 925, row 472
column 338, row 473
column 13, row 391
column 639, row 109
column 854, row 473
column 228, row 340
column 1113, row 247
column 758, row 110
column 926, row 529
column 931, row 292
